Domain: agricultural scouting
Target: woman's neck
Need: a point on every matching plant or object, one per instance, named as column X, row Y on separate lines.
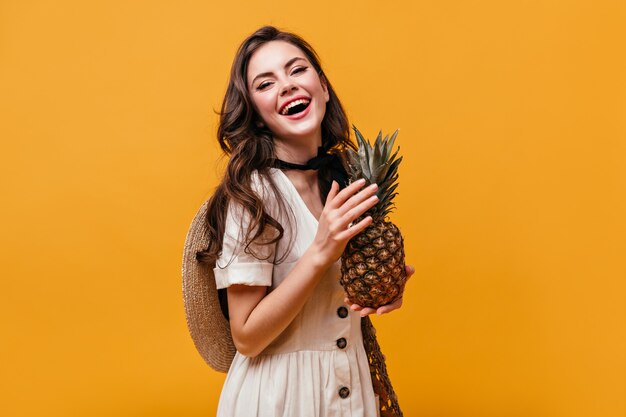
column 296, row 154
column 303, row 179
column 299, row 153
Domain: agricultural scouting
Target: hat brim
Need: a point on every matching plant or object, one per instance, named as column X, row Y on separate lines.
column 207, row 325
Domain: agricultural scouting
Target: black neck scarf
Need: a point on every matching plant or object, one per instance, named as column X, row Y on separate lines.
column 322, row 160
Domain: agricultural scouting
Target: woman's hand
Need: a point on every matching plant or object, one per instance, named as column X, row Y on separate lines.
column 382, row 309
column 341, row 209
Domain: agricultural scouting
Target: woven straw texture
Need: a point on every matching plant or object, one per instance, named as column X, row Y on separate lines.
column 209, row 328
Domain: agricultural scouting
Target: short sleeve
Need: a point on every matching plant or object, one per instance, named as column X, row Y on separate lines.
column 236, row 265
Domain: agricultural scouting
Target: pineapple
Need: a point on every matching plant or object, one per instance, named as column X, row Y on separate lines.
column 373, row 273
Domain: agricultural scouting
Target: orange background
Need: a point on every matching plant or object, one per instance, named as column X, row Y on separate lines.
column 512, row 196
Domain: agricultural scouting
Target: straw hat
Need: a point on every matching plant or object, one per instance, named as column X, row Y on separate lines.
column 209, row 328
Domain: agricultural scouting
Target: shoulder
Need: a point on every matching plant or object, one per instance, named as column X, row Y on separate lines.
column 258, row 179
column 261, row 184
column 265, row 186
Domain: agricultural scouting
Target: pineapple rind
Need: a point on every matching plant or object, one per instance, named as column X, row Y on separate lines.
column 374, row 276
column 373, row 272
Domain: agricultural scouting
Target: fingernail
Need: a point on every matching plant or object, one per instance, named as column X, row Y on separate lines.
column 373, row 186
column 361, row 181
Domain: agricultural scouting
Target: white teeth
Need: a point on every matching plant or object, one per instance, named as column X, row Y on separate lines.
column 285, row 109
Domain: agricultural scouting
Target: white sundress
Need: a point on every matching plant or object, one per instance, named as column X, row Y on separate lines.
column 318, row 366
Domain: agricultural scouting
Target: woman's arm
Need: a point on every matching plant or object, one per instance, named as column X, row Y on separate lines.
column 258, row 317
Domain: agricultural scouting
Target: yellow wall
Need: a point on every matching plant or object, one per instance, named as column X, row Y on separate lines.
column 513, row 129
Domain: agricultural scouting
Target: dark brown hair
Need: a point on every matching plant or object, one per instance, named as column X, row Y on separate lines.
column 242, row 135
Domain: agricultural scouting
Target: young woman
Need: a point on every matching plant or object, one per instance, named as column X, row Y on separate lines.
column 279, row 222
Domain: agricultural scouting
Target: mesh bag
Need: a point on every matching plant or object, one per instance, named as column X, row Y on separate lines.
column 389, row 406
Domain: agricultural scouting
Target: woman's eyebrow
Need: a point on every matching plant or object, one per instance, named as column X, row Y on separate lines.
column 288, row 64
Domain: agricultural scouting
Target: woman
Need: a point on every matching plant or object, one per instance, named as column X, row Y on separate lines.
column 279, row 222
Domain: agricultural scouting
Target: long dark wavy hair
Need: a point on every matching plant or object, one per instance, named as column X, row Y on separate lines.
column 249, row 143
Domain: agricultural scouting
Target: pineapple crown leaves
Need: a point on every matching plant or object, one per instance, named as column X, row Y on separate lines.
column 376, row 164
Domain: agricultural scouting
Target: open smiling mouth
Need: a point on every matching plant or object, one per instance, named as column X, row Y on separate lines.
column 295, row 107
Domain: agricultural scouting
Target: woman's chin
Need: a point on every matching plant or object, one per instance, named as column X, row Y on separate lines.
column 299, row 135
column 308, row 127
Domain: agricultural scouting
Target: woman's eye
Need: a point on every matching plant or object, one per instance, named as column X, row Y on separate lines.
column 263, row 85
column 299, row 69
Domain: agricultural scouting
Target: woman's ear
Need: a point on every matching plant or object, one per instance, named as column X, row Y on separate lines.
column 324, row 87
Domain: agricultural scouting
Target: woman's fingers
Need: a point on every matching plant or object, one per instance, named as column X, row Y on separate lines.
column 354, row 230
column 390, row 307
column 357, row 211
column 344, row 194
column 365, row 311
column 355, row 307
column 357, row 199
column 348, row 205
column 409, row 271
column 334, row 189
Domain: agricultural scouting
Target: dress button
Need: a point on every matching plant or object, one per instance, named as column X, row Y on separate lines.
column 344, row 392
column 342, row 312
column 341, row 343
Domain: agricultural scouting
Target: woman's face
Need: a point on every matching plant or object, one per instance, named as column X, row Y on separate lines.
column 287, row 92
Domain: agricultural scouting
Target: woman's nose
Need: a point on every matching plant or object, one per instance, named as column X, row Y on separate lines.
column 287, row 88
